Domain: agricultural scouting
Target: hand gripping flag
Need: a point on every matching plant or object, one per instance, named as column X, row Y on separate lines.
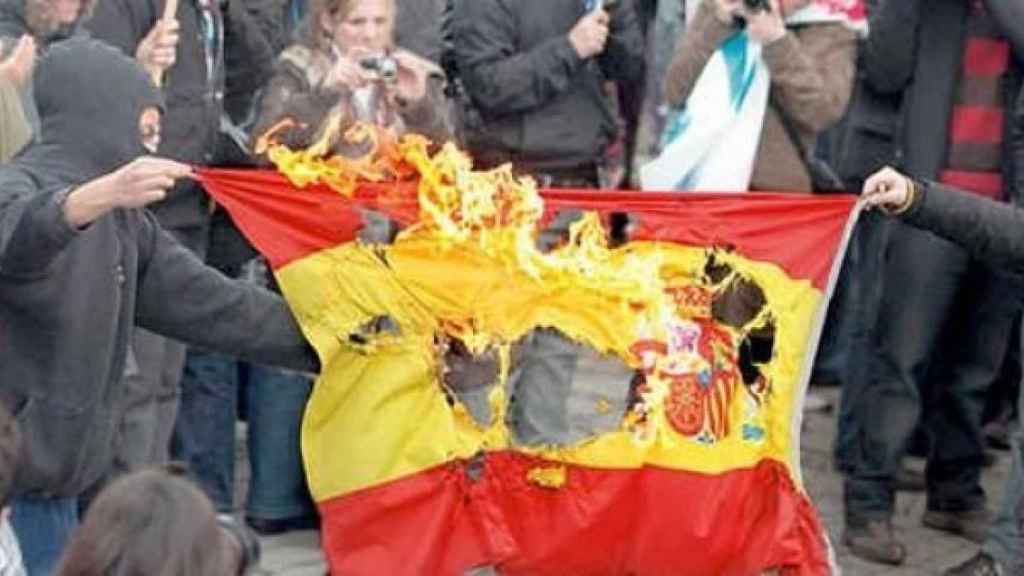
column 684, row 461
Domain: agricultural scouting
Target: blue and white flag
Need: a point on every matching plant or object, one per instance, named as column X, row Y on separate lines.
column 711, row 142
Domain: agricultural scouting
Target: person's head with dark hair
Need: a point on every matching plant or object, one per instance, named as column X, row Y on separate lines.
column 10, row 454
column 52, row 20
column 150, row 523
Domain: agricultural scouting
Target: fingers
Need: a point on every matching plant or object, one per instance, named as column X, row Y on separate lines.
column 159, row 47
column 153, row 167
column 885, row 188
column 25, row 48
column 18, row 66
column 882, row 180
column 347, row 74
column 165, row 43
column 147, row 179
column 163, row 57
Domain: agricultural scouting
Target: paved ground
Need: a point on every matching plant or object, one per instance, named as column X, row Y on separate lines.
column 930, row 552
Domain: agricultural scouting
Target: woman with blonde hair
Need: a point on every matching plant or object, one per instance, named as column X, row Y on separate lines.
column 346, row 61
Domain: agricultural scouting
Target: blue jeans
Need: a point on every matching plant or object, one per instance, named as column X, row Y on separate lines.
column 864, row 275
column 941, row 337
column 204, row 435
column 43, row 527
column 276, row 401
column 832, row 361
column 1006, row 537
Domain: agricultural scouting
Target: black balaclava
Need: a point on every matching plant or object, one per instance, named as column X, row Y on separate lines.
column 90, row 97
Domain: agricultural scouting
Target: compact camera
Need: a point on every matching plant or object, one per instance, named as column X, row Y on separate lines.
column 383, row 66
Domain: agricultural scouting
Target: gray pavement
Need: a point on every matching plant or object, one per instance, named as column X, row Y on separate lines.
column 930, row 552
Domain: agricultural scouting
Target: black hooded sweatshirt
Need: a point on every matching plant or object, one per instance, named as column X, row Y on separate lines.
column 70, row 298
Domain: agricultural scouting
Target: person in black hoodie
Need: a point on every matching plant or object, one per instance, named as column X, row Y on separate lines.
column 219, row 59
column 82, row 264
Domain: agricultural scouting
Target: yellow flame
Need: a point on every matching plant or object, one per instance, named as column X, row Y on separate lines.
column 501, row 213
column 553, row 477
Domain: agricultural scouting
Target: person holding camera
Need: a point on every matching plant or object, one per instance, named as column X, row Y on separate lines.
column 809, row 49
column 346, row 61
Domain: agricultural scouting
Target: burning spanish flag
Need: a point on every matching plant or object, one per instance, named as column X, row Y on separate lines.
column 712, row 310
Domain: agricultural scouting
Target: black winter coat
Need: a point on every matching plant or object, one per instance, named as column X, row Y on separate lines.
column 195, row 91
column 69, row 299
column 531, row 99
column 912, row 59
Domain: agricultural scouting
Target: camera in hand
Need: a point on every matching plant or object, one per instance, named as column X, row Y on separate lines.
column 382, row 65
column 757, row 5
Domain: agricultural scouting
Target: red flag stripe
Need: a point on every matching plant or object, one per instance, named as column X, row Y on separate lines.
column 642, row 522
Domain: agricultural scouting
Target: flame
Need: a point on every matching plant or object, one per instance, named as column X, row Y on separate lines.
column 501, row 213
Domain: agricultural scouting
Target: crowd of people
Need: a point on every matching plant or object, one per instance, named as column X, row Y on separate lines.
column 133, row 313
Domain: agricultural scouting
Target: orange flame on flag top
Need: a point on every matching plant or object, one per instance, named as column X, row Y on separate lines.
column 501, row 214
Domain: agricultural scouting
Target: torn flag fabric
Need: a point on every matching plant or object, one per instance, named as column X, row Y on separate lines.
column 683, row 457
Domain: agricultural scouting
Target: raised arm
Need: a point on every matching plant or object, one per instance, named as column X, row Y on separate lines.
column 180, row 297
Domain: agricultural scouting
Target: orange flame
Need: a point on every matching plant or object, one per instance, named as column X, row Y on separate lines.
column 500, row 213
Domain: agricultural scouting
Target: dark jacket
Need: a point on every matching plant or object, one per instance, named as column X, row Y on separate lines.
column 988, row 230
column 195, row 93
column 418, row 27
column 70, row 298
column 915, row 51
column 530, row 98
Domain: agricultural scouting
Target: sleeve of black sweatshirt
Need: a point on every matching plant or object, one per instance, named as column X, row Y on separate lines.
column 182, row 298
column 989, row 230
column 33, row 229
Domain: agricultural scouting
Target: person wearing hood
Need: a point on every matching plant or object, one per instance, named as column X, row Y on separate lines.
column 81, row 265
